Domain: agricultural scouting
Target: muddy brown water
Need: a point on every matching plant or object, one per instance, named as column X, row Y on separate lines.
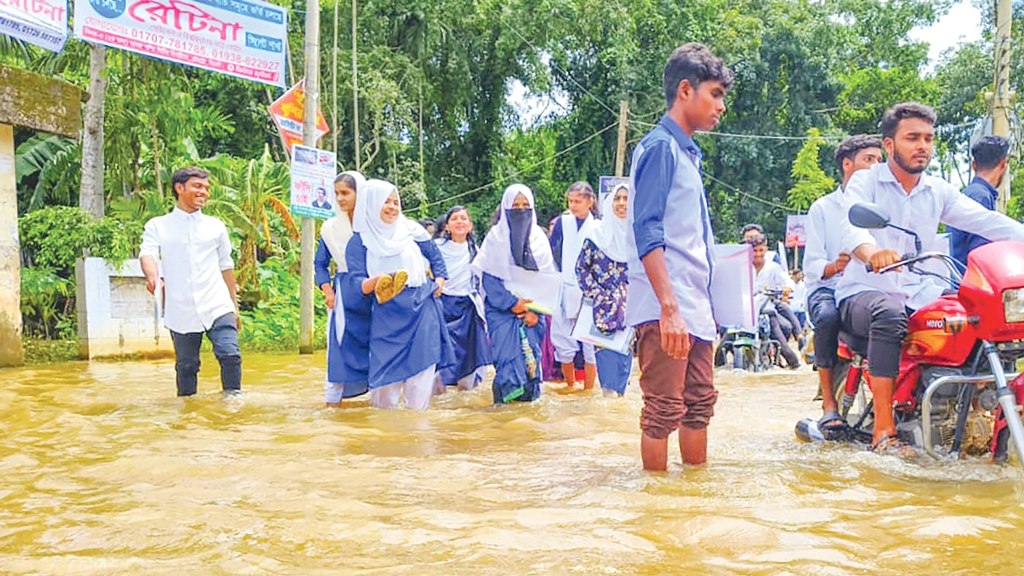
column 103, row 471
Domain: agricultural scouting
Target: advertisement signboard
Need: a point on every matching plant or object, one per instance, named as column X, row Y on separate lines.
column 43, row 23
column 241, row 38
column 288, row 112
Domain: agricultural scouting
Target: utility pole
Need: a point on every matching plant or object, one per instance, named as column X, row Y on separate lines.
column 355, row 90
column 334, row 83
column 1001, row 95
column 620, row 150
column 311, row 90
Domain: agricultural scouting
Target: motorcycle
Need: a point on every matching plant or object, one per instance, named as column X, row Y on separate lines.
column 753, row 351
column 956, row 392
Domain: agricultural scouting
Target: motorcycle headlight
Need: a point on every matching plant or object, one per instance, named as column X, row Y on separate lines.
column 1013, row 305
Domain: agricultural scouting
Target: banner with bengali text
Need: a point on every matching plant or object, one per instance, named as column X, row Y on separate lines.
column 241, row 38
column 43, row 23
column 312, row 184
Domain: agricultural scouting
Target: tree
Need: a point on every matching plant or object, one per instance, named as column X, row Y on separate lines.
column 809, row 181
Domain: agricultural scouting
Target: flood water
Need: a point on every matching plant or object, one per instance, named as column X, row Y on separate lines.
column 104, row 471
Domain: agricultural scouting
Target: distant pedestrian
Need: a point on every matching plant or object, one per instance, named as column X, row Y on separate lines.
column 187, row 255
column 991, row 157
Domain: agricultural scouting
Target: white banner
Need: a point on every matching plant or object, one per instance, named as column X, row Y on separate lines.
column 732, row 286
column 40, row 22
column 241, row 38
column 312, row 182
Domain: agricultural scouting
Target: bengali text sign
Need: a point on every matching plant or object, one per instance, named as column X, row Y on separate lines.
column 288, row 113
column 43, row 23
column 241, row 38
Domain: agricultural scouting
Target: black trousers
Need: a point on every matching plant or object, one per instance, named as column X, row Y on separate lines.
column 883, row 321
column 223, row 334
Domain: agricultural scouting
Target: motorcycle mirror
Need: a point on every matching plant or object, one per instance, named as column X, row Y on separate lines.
column 870, row 216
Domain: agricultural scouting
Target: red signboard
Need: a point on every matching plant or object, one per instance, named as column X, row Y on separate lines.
column 288, row 112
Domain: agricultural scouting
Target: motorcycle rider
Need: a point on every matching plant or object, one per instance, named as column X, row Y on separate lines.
column 824, row 263
column 875, row 306
column 769, row 275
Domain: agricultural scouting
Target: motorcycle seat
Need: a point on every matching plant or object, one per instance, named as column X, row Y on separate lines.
column 856, row 343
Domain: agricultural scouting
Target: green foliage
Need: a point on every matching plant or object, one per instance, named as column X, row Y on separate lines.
column 273, row 324
column 45, row 300
column 809, row 181
column 55, row 236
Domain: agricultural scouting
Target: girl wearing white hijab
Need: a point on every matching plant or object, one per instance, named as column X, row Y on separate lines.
column 567, row 238
column 463, row 307
column 601, row 271
column 387, row 259
column 348, row 327
column 515, row 242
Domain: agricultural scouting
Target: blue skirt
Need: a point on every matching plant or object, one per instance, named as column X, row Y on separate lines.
column 348, row 363
column 407, row 336
column 509, row 358
column 469, row 339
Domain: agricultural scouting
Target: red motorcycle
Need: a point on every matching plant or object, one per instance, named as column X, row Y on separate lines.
column 953, row 394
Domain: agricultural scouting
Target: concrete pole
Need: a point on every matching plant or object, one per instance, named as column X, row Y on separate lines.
column 620, row 150
column 1001, row 95
column 10, row 264
column 312, row 106
column 355, row 90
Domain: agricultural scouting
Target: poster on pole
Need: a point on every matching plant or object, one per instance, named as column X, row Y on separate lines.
column 312, row 182
column 288, row 113
column 796, row 230
column 240, row 38
column 43, row 23
column 608, row 185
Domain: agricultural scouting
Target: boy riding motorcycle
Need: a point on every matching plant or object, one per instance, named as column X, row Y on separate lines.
column 875, row 306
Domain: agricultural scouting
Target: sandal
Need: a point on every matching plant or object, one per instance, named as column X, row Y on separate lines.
column 893, row 446
column 833, row 426
column 384, row 290
column 401, row 277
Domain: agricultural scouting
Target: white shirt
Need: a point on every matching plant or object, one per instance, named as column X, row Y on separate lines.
column 193, row 250
column 932, row 201
column 824, row 239
column 770, row 277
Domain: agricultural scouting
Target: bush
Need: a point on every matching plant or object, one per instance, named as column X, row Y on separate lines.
column 273, row 323
column 51, row 239
column 55, row 236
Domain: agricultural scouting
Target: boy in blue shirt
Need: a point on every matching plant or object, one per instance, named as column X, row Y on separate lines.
column 669, row 300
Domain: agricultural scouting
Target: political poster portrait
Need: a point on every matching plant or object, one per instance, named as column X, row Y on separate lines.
column 312, row 189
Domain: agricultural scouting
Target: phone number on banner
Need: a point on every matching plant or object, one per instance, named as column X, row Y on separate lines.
column 186, row 52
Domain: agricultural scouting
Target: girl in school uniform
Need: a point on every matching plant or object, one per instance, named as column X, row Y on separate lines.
column 463, row 307
column 387, row 260
column 514, row 245
column 348, row 323
column 601, row 271
column 566, row 243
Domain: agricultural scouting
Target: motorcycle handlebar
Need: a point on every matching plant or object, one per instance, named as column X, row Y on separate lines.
column 904, row 260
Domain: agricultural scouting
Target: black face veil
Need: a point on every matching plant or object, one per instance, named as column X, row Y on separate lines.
column 520, row 226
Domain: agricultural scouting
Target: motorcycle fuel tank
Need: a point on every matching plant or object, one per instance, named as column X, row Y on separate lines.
column 940, row 333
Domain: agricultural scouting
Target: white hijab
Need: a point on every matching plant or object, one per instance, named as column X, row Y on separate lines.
column 337, row 230
column 495, row 255
column 389, row 247
column 611, row 232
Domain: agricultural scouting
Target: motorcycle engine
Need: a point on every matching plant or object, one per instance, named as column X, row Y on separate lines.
column 943, row 416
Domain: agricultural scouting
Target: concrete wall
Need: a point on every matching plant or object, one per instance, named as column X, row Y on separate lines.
column 116, row 314
column 10, row 263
